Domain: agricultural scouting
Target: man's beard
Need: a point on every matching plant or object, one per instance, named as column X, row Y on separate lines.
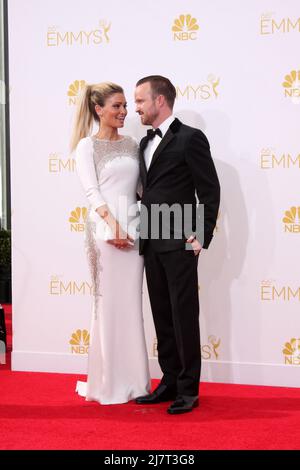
column 150, row 118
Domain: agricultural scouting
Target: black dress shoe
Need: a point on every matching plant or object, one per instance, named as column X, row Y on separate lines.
column 160, row 394
column 183, row 404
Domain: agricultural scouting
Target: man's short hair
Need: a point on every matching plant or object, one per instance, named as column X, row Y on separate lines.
column 160, row 86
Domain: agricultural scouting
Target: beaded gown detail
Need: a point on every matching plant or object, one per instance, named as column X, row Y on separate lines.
column 118, row 368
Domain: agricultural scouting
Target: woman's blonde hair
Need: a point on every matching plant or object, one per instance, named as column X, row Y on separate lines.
column 85, row 114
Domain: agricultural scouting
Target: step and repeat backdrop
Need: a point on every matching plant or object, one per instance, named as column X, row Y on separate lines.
column 236, row 69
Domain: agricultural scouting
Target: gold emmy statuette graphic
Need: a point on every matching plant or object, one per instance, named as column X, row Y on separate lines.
column 105, row 28
column 214, row 83
column 215, row 344
column 209, row 351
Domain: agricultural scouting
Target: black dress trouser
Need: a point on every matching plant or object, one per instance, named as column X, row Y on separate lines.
column 172, row 281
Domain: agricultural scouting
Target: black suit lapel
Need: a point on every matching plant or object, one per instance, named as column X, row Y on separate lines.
column 169, row 136
column 143, row 169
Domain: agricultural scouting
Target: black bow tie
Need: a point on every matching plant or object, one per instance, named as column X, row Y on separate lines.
column 151, row 133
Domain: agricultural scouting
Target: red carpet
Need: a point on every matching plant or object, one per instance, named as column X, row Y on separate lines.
column 42, row 411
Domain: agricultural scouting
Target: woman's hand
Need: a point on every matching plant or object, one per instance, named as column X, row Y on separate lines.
column 120, row 239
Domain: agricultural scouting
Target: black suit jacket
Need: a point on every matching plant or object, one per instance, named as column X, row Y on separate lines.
column 181, row 166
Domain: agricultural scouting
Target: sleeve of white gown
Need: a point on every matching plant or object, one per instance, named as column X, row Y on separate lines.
column 86, row 171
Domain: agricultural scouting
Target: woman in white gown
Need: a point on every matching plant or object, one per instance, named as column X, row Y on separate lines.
column 107, row 165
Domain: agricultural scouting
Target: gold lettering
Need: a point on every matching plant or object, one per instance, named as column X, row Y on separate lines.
column 264, row 162
column 296, row 92
column 53, row 165
column 206, row 352
column 265, row 291
column 53, row 287
column 178, row 91
column 77, row 227
column 69, row 164
column 278, row 162
column 78, row 289
column 97, row 35
column 73, row 100
column 294, row 294
column 203, row 89
column 51, row 37
column 275, row 26
column 294, row 26
column 195, row 91
column 82, row 350
column 79, row 36
column 288, row 360
column 88, row 36
column 274, row 290
column 67, row 289
column 294, row 162
column 264, row 23
column 62, row 38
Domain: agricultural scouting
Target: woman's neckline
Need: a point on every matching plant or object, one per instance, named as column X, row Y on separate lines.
column 108, row 140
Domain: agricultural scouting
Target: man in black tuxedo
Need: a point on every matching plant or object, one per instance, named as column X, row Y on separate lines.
column 175, row 165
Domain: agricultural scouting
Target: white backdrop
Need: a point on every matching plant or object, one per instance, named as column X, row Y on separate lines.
column 229, row 61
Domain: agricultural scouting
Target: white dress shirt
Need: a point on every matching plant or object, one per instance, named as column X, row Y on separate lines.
column 154, row 143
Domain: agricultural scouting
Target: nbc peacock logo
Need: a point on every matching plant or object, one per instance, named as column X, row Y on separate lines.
column 74, row 91
column 77, row 219
column 291, row 352
column 291, row 220
column 80, row 342
column 291, row 86
column 184, row 28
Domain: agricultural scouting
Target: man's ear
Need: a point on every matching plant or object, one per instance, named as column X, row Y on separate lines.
column 161, row 100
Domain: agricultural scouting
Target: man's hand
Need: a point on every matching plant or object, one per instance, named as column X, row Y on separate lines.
column 195, row 244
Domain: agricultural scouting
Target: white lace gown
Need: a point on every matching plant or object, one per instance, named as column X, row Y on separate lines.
column 117, row 364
